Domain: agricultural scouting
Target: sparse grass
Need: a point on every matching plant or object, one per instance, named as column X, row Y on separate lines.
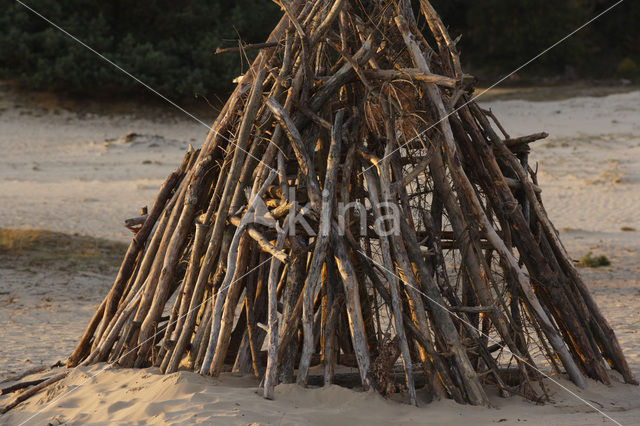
column 594, row 261
column 627, row 229
column 537, row 93
column 27, row 248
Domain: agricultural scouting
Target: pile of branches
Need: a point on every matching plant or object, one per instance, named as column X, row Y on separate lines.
column 352, row 205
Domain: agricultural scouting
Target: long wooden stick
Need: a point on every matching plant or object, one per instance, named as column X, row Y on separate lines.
column 356, row 323
column 319, row 251
column 392, row 279
column 230, row 285
column 272, row 357
column 229, row 277
column 174, row 251
column 32, row 391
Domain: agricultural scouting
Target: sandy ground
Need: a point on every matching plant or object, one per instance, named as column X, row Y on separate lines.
column 146, row 397
column 78, row 174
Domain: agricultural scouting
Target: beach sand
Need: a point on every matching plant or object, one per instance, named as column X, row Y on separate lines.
column 80, row 174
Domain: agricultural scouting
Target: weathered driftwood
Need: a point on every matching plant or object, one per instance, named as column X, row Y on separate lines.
column 19, row 386
column 28, row 393
column 351, row 194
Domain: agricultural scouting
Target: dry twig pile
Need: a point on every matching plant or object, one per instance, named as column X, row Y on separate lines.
column 252, row 258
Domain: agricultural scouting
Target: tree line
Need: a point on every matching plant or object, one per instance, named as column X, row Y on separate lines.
column 170, row 45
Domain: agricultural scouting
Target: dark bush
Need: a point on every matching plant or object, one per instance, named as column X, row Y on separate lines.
column 500, row 35
column 594, row 261
column 169, row 45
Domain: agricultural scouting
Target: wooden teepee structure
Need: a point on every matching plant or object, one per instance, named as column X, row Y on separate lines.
column 253, row 258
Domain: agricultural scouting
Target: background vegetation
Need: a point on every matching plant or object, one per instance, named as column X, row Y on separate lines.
column 170, row 45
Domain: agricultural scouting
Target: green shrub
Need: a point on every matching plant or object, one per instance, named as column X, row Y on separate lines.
column 594, row 261
column 500, row 35
column 168, row 45
column 628, row 68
